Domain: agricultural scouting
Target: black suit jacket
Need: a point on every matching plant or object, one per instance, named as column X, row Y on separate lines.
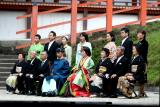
column 52, row 51
column 22, row 64
column 128, row 48
column 143, row 45
column 120, row 68
column 44, row 69
column 33, row 68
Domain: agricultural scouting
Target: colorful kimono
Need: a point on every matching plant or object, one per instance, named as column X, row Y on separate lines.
column 79, row 79
column 35, row 47
column 60, row 71
column 78, row 52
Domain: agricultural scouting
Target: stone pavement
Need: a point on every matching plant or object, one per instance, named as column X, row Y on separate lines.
column 151, row 100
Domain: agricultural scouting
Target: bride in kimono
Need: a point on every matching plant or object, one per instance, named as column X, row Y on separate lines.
column 77, row 83
column 59, row 73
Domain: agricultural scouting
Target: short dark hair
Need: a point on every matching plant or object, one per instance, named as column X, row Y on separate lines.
column 87, row 50
column 23, row 54
column 126, row 30
column 112, row 35
column 85, row 35
column 60, row 50
column 54, row 33
column 137, row 48
column 106, row 50
column 39, row 36
column 143, row 32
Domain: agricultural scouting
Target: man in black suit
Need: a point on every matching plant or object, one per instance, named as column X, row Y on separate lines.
column 126, row 43
column 120, row 69
column 43, row 71
column 31, row 73
column 51, row 47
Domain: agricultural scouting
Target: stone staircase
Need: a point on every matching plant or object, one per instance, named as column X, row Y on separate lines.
column 6, row 64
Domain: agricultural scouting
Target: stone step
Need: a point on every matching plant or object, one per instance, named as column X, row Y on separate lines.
column 2, row 88
column 6, row 64
column 5, row 69
column 3, row 78
column 2, row 83
column 4, row 60
column 8, row 56
column 4, row 74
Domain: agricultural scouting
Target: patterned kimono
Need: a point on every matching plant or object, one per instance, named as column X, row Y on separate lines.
column 79, row 79
column 60, row 71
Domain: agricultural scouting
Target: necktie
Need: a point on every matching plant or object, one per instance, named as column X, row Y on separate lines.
column 42, row 64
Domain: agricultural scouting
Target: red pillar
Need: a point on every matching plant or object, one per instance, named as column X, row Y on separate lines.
column 109, row 15
column 73, row 21
column 158, row 4
column 34, row 22
column 143, row 13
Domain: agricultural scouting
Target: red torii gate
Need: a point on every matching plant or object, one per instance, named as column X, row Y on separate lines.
column 109, row 12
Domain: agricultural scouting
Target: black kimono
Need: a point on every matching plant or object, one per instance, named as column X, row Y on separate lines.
column 104, row 67
column 20, row 78
column 138, row 69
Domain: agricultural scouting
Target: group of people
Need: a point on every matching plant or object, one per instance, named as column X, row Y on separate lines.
column 48, row 70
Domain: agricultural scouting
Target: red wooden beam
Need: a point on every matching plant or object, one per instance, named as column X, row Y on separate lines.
column 125, row 10
column 34, row 22
column 23, row 31
column 143, row 13
column 109, row 15
column 59, row 9
column 92, row 31
column 73, row 21
column 80, row 19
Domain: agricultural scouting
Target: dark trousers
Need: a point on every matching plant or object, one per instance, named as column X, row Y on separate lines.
column 39, row 83
column 21, row 83
column 113, row 84
column 30, row 84
column 107, row 86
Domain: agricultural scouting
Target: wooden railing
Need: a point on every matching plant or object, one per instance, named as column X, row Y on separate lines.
column 68, row 2
column 73, row 6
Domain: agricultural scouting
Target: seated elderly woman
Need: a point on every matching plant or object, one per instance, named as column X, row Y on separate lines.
column 16, row 78
column 59, row 73
column 102, row 72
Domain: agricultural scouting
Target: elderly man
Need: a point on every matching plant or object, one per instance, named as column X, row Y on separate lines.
column 120, row 69
column 31, row 73
column 43, row 71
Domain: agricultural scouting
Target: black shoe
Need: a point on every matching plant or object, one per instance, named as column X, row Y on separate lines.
column 38, row 94
column 113, row 96
column 31, row 93
column 44, row 94
column 51, row 94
